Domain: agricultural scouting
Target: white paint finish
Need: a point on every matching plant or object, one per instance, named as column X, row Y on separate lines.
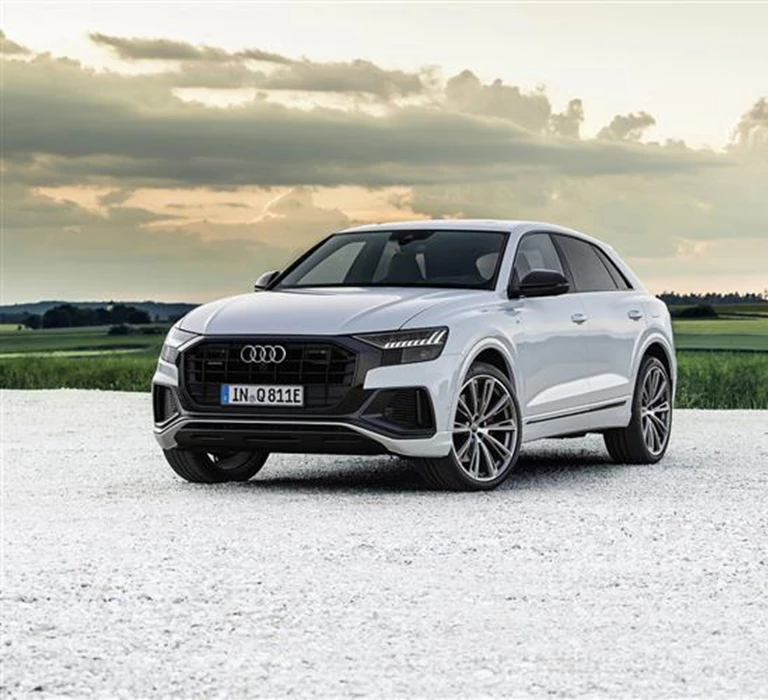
column 552, row 356
column 558, row 365
column 611, row 338
column 335, row 577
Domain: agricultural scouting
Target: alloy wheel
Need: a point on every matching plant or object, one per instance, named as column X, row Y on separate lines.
column 655, row 409
column 485, row 428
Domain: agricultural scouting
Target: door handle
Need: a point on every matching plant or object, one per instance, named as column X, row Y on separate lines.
column 578, row 318
column 635, row 314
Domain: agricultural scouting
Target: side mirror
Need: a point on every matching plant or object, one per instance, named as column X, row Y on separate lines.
column 265, row 280
column 540, row 283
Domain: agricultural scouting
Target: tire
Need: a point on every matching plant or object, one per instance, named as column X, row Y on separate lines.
column 485, row 457
column 215, row 468
column 646, row 438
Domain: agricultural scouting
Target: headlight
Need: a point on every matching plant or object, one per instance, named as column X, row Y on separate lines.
column 408, row 346
column 173, row 341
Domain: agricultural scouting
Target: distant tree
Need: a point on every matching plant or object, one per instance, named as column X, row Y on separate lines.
column 120, row 329
column 33, row 321
column 698, row 311
column 60, row 317
column 138, row 316
column 712, row 298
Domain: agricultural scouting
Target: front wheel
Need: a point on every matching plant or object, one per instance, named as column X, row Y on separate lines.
column 487, row 430
column 645, row 439
column 215, row 467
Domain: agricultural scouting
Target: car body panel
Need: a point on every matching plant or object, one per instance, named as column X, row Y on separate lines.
column 569, row 377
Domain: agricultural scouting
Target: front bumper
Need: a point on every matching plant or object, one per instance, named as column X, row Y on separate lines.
column 360, row 428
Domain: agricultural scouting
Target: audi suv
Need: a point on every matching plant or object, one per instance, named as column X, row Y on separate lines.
column 446, row 342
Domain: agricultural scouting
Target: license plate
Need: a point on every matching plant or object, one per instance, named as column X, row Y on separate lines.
column 261, row 395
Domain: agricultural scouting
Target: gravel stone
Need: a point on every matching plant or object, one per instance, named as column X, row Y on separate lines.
column 339, row 576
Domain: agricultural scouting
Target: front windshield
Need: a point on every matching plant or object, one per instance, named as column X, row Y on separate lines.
column 416, row 258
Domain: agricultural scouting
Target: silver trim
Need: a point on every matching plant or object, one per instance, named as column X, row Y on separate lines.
column 263, row 354
column 439, row 445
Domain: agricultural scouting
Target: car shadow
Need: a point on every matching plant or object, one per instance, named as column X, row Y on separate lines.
column 536, row 468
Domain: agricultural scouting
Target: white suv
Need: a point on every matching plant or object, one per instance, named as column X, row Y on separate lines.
column 449, row 342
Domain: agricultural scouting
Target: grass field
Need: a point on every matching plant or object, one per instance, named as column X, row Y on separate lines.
column 749, row 332
column 90, row 339
column 725, row 377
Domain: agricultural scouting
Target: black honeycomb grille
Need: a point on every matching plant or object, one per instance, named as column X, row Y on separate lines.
column 325, row 370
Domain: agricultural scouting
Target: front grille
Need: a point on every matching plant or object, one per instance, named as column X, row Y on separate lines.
column 325, row 370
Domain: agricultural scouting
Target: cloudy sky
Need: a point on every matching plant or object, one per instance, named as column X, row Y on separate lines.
column 175, row 151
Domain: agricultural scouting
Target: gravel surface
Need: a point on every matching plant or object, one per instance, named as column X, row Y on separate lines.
column 338, row 576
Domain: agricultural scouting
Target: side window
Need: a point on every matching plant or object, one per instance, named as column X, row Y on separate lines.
column 535, row 252
column 587, row 269
column 617, row 275
column 334, row 269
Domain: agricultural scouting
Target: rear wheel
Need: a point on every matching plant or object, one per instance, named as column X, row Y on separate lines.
column 215, row 467
column 645, row 439
column 486, row 435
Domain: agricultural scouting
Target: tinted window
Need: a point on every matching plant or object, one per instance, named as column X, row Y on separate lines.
column 618, row 276
column 416, row 258
column 535, row 252
column 587, row 269
column 336, row 266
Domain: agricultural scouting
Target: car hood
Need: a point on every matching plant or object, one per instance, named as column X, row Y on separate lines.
column 316, row 311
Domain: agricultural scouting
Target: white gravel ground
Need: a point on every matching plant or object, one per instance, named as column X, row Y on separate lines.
column 337, row 576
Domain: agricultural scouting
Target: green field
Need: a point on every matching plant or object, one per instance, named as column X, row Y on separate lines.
column 749, row 332
column 72, row 340
column 733, row 373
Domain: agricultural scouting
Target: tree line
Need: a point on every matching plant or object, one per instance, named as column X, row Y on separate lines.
column 70, row 316
column 713, row 298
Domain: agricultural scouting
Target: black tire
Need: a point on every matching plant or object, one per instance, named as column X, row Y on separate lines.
column 630, row 445
column 447, row 473
column 215, row 468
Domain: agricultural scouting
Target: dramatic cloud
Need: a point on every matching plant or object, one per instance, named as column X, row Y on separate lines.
column 628, row 127
column 138, row 49
column 466, row 93
column 119, row 182
column 8, row 47
column 752, row 129
column 66, row 124
column 568, row 123
column 208, row 66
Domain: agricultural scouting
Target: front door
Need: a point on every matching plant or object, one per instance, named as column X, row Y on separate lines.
column 552, row 359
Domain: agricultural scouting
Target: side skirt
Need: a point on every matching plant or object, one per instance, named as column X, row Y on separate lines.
column 610, row 414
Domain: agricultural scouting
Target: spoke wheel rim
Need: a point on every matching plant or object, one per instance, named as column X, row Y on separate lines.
column 485, row 428
column 655, row 409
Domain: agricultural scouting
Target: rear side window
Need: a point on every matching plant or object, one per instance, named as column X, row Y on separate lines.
column 589, row 272
column 617, row 275
column 535, row 252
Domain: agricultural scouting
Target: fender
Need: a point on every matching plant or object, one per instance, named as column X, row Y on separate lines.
column 501, row 345
column 650, row 337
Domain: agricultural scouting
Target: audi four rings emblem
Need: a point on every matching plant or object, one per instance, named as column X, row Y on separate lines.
column 263, row 353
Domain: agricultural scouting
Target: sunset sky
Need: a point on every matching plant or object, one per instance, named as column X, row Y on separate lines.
column 173, row 151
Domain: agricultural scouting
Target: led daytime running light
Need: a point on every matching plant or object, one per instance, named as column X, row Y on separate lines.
column 436, row 338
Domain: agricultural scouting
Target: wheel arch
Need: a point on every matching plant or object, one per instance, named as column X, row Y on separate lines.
column 657, row 346
column 495, row 353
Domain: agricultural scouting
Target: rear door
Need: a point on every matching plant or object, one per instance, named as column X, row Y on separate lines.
column 614, row 317
column 552, row 358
